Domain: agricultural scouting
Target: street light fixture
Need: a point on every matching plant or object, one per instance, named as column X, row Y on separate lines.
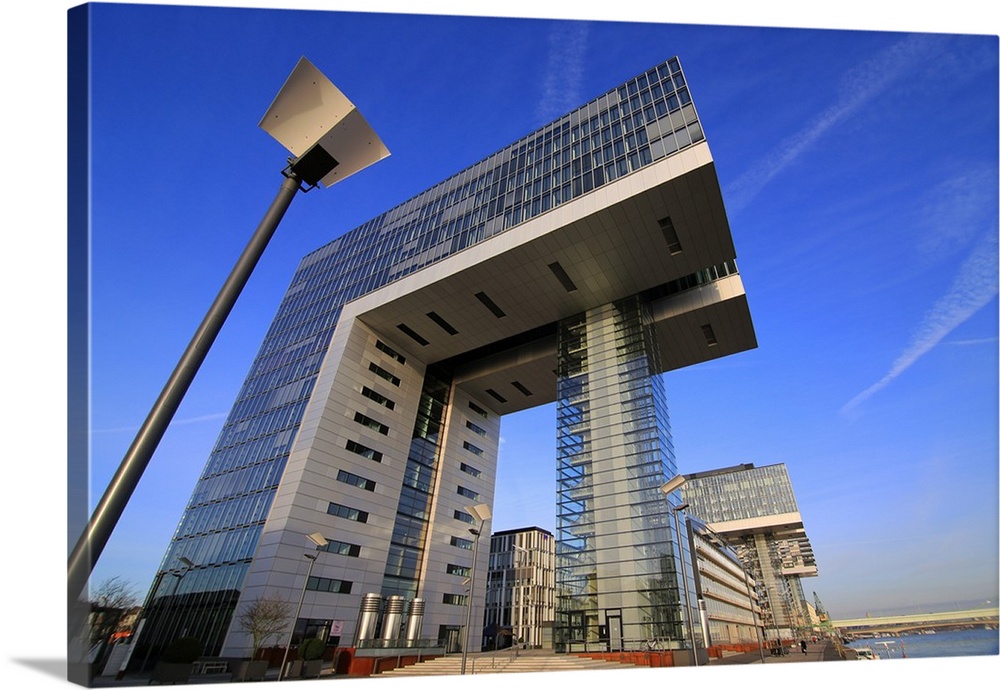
column 188, row 566
column 675, row 483
column 329, row 140
column 482, row 513
column 320, row 541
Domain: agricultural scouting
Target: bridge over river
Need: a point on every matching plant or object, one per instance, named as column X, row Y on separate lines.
column 896, row 625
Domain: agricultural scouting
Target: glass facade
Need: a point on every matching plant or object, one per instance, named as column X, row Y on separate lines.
column 741, row 493
column 618, row 573
column 406, row 550
column 629, row 127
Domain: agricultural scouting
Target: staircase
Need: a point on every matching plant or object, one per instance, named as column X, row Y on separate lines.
column 527, row 661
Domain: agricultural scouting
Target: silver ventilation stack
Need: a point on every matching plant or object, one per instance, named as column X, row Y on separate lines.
column 414, row 621
column 393, row 621
column 371, row 605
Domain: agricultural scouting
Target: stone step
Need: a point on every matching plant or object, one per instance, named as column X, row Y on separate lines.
column 533, row 663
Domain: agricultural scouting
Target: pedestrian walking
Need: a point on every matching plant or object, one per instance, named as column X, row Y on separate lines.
column 803, row 646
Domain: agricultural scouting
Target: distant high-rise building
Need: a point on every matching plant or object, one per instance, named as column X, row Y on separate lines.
column 521, row 586
column 754, row 509
column 573, row 266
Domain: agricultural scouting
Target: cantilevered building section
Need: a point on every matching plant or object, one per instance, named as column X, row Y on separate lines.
column 575, row 265
column 754, row 510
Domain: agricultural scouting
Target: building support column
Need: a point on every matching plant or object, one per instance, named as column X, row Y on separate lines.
column 617, row 549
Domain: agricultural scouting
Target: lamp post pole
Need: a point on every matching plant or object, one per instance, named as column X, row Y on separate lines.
column 102, row 523
column 320, row 541
column 687, row 596
column 482, row 513
column 676, row 482
column 188, row 565
column 324, row 152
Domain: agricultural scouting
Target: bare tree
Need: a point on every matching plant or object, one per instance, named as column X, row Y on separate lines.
column 263, row 619
column 110, row 604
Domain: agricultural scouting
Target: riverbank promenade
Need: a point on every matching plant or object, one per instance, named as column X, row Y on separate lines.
column 824, row 650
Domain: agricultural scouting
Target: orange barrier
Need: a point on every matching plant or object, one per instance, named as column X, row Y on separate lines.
column 652, row 659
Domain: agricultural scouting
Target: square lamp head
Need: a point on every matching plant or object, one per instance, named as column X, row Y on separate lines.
column 481, row 512
column 319, row 126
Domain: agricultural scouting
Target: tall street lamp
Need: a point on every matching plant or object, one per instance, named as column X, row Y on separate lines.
column 320, row 541
column 329, row 140
column 188, row 566
column 675, row 483
column 482, row 513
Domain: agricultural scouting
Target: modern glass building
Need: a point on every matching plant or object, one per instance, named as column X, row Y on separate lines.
column 574, row 266
column 754, row 510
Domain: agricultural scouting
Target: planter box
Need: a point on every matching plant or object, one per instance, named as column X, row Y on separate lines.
column 165, row 672
column 250, row 670
column 312, row 668
column 294, row 669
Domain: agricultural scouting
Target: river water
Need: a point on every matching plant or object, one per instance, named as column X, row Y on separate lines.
column 977, row 642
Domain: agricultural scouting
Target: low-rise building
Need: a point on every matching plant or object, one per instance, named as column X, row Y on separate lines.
column 725, row 591
column 520, row 589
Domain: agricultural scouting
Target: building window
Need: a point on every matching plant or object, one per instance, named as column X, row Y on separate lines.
column 378, row 397
column 342, row 548
column 326, row 584
column 347, row 513
column 456, row 599
column 367, row 421
column 468, row 493
column 709, row 334
column 387, row 375
column 464, row 517
column 475, row 428
column 471, row 448
column 461, row 543
column 478, row 410
column 460, row 570
column 364, row 451
column 470, row 469
column 355, row 480
column 389, row 351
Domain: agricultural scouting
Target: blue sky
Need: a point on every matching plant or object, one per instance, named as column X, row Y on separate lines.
column 860, row 174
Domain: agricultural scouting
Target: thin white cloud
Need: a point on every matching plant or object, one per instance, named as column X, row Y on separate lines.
column 954, row 210
column 189, row 420
column 563, row 72
column 973, row 288
column 862, row 85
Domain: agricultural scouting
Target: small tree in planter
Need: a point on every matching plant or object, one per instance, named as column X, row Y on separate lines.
column 177, row 661
column 311, row 651
column 262, row 620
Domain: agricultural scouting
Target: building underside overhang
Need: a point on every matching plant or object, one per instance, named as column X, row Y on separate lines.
column 785, row 527
column 489, row 311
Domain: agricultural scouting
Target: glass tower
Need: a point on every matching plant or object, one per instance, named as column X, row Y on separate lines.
column 372, row 413
column 618, row 572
